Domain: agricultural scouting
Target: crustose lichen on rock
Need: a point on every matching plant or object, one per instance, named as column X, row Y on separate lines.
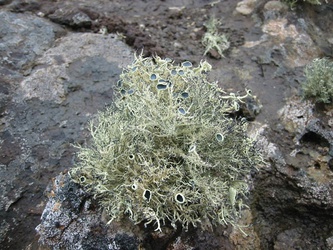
column 168, row 151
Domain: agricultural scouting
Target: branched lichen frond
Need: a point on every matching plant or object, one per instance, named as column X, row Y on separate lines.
column 212, row 39
column 319, row 81
column 167, row 150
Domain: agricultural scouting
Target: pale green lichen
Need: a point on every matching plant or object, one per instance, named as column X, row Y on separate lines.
column 213, row 40
column 319, row 81
column 167, row 151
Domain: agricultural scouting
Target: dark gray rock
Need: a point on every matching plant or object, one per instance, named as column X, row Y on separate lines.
column 293, row 197
column 287, row 207
column 71, row 220
column 317, row 132
column 23, row 39
column 71, row 17
column 47, row 96
column 4, row 2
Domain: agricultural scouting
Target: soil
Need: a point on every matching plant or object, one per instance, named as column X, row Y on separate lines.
column 174, row 29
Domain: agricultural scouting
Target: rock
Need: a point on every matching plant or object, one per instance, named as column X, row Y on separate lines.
column 250, row 108
column 23, row 39
column 71, row 17
column 4, row 2
column 289, row 239
column 21, row 6
column 70, row 208
column 299, row 119
column 330, row 242
column 330, row 40
column 295, row 115
column 294, row 40
column 274, row 9
column 275, row 6
column 79, row 68
column 316, row 131
column 81, row 20
column 246, row 7
column 297, row 183
column 300, row 50
column 291, row 195
column 47, row 96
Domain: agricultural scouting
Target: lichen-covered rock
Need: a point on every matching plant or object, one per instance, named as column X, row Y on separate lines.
column 72, row 221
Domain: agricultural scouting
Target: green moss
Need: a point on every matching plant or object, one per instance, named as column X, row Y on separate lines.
column 319, row 81
column 168, row 154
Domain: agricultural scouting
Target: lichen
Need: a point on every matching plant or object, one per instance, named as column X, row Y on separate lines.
column 212, row 39
column 319, row 81
column 168, row 151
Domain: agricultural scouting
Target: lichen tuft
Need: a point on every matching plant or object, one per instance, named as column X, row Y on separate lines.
column 319, row 81
column 170, row 154
column 213, row 40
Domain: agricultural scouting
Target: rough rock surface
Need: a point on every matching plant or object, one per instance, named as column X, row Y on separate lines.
column 58, row 64
column 70, row 208
column 50, row 89
column 23, row 39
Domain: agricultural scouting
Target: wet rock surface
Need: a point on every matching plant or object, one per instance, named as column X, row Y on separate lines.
column 58, row 64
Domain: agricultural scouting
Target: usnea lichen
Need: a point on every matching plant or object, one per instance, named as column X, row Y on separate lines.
column 212, row 39
column 319, row 81
column 167, row 151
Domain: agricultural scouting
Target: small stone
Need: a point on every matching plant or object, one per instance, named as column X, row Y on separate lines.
column 246, row 7
column 177, row 45
column 274, row 9
column 81, row 20
column 214, row 54
column 275, row 6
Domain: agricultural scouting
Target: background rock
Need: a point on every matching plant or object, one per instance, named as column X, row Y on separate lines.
column 23, row 39
column 49, row 94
